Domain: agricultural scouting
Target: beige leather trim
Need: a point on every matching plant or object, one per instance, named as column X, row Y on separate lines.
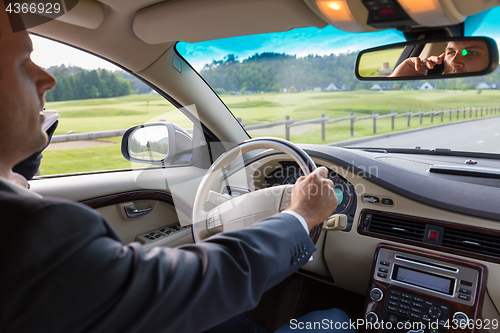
column 161, row 215
column 489, row 313
column 194, row 19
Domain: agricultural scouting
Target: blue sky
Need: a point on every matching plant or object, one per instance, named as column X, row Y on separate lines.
column 305, row 41
column 300, row 42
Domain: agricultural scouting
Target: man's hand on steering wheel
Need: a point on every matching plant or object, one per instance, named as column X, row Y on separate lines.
column 313, row 197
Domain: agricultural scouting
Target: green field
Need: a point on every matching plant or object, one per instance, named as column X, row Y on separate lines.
column 370, row 63
column 119, row 113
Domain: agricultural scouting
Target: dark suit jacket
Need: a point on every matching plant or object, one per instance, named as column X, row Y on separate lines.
column 63, row 269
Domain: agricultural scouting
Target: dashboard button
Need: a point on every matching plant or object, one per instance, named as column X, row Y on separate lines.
column 392, row 308
column 371, row 317
column 418, row 305
column 435, row 312
column 464, row 297
column 383, row 262
column 376, row 294
column 445, row 308
column 387, row 201
column 370, row 199
column 383, row 270
column 394, row 298
column 466, row 283
column 404, row 312
column 394, row 292
column 382, row 275
column 464, row 291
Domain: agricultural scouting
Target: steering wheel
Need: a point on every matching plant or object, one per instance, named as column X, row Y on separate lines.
column 244, row 210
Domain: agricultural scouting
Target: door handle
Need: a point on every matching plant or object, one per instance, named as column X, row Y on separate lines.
column 132, row 212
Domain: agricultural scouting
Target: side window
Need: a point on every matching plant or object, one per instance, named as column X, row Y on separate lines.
column 96, row 101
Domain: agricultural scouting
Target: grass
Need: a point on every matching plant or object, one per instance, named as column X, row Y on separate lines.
column 124, row 112
column 370, row 63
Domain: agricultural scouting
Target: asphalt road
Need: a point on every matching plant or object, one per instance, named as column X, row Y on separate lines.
column 480, row 135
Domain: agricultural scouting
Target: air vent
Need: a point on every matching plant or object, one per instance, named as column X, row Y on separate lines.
column 394, row 227
column 471, row 241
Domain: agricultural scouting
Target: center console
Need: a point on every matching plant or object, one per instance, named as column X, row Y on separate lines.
column 419, row 292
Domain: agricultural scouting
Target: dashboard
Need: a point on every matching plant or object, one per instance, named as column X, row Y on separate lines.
column 289, row 172
column 396, row 205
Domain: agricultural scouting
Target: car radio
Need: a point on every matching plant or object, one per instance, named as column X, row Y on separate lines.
column 415, row 291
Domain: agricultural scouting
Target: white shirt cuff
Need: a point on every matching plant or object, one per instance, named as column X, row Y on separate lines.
column 300, row 218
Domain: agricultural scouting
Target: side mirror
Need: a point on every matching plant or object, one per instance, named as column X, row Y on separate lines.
column 157, row 143
column 429, row 59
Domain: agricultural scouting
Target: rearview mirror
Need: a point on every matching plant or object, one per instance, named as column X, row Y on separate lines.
column 429, row 59
column 157, row 143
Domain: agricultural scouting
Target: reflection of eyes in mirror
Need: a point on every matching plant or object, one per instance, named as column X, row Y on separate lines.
column 465, row 57
column 149, row 143
column 426, row 59
column 454, row 58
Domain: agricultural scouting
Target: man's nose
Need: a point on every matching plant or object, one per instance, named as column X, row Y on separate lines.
column 456, row 61
column 45, row 81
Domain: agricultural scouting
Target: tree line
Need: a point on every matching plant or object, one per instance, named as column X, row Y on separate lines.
column 75, row 83
column 273, row 72
column 264, row 72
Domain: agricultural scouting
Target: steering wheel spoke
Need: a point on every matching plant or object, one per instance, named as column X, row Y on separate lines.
column 247, row 209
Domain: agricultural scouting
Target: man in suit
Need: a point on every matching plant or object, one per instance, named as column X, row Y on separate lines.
column 63, row 269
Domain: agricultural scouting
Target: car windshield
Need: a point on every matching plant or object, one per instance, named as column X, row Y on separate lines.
column 300, row 85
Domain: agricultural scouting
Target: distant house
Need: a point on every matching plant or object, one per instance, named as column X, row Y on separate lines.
column 382, row 86
column 424, row 86
column 488, row 85
column 336, row 87
column 317, row 89
column 331, row 87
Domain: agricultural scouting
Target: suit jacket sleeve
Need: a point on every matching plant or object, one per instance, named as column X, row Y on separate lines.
column 67, row 271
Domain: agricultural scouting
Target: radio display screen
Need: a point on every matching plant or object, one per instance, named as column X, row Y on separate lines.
column 425, row 280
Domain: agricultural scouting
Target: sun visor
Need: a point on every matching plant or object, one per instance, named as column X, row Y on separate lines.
column 86, row 14
column 200, row 20
column 82, row 13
